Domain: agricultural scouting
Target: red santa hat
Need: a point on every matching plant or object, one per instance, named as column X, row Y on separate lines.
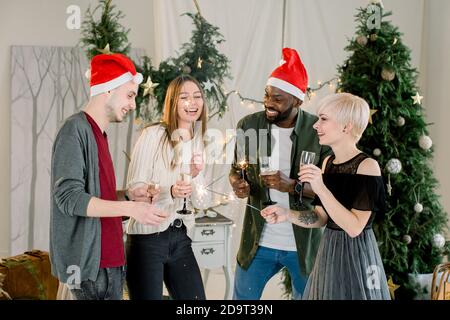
column 291, row 75
column 109, row 71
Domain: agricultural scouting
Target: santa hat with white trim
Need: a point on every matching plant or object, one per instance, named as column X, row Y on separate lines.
column 109, row 71
column 291, row 76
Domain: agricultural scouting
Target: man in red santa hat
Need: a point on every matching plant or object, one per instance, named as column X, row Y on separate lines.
column 284, row 131
column 86, row 237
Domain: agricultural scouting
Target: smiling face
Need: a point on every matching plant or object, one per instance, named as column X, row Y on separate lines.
column 190, row 103
column 278, row 104
column 121, row 101
column 342, row 117
column 328, row 129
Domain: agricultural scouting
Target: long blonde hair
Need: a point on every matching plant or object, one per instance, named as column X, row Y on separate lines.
column 170, row 114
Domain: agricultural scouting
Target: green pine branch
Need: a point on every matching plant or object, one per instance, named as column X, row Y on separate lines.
column 214, row 67
column 107, row 30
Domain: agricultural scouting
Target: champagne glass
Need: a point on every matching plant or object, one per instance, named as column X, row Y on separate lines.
column 153, row 188
column 307, row 157
column 185, row 177
column 243, row 164
column 265, row 169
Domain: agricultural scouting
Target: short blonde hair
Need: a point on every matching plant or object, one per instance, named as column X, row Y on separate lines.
column 347, row 108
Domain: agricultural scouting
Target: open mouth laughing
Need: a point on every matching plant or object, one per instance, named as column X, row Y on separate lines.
column 271, row 112
column 191, row 111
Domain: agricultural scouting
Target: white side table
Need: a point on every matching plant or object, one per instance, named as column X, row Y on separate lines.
column 212, row 249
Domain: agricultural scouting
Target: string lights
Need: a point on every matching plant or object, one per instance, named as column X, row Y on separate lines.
column 311, row 93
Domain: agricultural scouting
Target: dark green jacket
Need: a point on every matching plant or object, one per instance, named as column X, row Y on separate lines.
column 303, row 137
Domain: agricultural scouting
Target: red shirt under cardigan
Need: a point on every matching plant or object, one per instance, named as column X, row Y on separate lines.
column 112, row 251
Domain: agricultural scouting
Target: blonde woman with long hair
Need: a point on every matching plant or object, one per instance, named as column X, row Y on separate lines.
column 168, row 154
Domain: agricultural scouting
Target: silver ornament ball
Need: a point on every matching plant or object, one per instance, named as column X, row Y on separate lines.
column 376, row 152
column 418, row 207
column 388, row 74
column 425, row 142
column 438, row 240
column 186, row 69
column 362, row 40
column 400, row 121
column 394, row 166
column 407, row 239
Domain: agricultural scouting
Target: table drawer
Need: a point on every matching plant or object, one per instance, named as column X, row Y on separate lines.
column 209, row 233
column 209, row 255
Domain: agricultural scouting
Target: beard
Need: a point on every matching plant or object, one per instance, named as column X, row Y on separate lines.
column 112, row 108
column 281, row 116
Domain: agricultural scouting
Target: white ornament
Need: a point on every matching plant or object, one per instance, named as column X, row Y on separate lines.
column 425, row 142
column 208, row 85
column 376, row 152
column 417, row 98
column 418, row 207
column 438, row 240
column 400, row 121
column 394, row 166
column 407, row 239
column 362, row 40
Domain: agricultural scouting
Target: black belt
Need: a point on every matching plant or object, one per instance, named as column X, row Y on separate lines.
column 177, row 223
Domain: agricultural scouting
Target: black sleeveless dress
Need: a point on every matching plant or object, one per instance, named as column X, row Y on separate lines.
column 349, row 268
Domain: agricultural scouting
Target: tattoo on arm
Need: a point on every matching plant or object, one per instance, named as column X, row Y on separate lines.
column 308, row 217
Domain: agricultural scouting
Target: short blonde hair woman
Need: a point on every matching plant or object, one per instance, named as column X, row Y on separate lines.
column 348, row 110
column 349, row 194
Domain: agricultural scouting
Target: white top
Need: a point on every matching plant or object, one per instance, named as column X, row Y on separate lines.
column 280, row 235
column 151, row 160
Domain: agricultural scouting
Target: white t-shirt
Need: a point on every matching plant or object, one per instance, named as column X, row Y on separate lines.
column 280, row 235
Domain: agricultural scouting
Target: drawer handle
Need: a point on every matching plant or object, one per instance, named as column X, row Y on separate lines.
column 208, row 232
column 207, row 251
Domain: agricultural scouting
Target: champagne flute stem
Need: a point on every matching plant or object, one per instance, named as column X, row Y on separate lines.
column 300, row 196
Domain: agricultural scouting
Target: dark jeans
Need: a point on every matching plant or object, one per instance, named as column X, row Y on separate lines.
column 166, row 256
column 107, row 286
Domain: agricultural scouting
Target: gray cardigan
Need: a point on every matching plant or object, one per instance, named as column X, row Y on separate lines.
column 75, row 239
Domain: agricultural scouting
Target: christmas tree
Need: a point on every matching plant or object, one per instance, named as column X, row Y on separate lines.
column 410, row 234
column 106, row 35
column 201, row 59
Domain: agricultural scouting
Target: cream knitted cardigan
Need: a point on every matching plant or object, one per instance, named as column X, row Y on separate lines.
column 150, row 160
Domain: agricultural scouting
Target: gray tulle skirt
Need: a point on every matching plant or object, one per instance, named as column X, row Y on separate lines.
column 347, row 269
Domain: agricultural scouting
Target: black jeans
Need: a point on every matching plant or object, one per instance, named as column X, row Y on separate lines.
column 107, row 286
column 166, row 256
